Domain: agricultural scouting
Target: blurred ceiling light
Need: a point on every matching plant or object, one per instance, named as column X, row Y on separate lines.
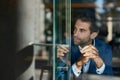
column 98, row 16
column 100, row 10
column 48, row 15
column 99, row 4
column 118, row 8
column 109, row 6
column 98, row 24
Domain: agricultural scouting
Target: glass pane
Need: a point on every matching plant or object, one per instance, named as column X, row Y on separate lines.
column 107, row 20
column 62, row 33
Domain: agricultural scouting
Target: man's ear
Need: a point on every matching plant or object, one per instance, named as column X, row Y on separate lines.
column 93, row 35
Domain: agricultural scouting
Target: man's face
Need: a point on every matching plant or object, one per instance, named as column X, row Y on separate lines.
column 82, row 33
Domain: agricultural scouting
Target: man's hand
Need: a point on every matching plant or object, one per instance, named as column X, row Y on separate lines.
column 62, row 50
column 91, row 52
column 82, row 60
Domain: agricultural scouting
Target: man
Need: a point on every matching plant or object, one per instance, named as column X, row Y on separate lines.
column 88, row 54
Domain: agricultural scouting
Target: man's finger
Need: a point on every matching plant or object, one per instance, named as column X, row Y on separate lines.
column 60, row 54
column 90, row 54
column 62, row 50
column 84, row 48
column 93, row 51
column 94, row 48
column 89, row 48
column 64, row 47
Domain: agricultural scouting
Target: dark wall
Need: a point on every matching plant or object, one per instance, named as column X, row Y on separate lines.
column 8, row 23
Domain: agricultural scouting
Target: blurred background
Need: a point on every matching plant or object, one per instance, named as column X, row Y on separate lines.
column 30, row 29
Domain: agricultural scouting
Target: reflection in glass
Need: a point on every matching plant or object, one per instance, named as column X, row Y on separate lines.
column 62, row 32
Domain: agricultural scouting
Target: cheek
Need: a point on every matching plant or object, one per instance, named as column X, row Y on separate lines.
column 83, row 36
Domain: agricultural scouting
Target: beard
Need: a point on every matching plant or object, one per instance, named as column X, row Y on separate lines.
column 83, row 42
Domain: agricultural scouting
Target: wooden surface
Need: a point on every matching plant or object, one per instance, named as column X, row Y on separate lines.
column 80, row 5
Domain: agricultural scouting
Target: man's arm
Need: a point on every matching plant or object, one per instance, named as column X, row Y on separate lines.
column 76, row 70
column 61, row 51
column 92, row 53
column 76, row 67
column 107, row 58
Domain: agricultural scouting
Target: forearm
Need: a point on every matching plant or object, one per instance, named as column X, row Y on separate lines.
column 79, row 64
column 100, row 66
column 99, row 62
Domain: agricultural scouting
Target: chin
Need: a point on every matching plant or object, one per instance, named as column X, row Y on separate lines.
column 76, row 43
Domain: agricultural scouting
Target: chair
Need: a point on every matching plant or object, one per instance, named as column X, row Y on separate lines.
column 25, row 64
column 50, row 71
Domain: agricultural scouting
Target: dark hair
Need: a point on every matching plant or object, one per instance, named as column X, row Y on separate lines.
column 88, row 16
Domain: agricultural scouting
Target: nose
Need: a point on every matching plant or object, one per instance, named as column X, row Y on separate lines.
column 75, row 32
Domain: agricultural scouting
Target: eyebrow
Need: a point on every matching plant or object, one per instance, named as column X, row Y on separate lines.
column 80, row 28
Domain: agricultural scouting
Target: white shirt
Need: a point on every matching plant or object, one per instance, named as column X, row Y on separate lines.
column 85, row 67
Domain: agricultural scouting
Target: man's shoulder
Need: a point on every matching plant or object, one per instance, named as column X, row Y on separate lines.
column 100, row 43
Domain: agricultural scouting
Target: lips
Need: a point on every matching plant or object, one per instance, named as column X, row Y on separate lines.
column 75, row 40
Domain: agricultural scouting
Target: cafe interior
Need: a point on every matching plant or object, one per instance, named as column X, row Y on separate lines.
column 31, row 30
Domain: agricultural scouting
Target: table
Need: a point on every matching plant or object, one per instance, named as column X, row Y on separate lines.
column 95, row 77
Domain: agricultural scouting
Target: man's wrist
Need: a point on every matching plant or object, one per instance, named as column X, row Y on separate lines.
column 75, row 70
column 101, row 69
column 99, row 62
column 79, row 64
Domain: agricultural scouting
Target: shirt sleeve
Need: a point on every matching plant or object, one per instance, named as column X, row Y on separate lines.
column 76, row 71
column 101, row 69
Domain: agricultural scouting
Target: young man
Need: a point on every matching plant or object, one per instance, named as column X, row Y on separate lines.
column 88, row 54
